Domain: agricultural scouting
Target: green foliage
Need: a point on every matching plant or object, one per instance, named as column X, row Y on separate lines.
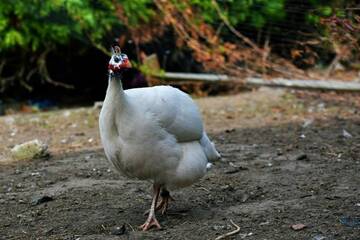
column 137, row 11
column 321, row 8
column 30, row 29
column 36, row 24
column 254, row 12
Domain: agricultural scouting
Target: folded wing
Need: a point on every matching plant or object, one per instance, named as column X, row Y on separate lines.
column 175, row 111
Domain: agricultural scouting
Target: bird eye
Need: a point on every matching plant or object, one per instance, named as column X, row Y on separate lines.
column 116, row 59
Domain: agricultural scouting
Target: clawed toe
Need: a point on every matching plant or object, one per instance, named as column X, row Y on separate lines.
column 153, row 222
column 164, row 204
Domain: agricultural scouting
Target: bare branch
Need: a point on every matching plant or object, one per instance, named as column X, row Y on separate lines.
column 45, row 74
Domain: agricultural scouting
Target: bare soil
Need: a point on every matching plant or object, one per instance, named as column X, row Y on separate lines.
column 286, row 161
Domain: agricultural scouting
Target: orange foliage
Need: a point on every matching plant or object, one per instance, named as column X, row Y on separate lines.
column 236, row 58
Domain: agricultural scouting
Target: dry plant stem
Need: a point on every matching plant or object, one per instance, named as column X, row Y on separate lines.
column 233, row 30
column 332, row 65
column 237, row 230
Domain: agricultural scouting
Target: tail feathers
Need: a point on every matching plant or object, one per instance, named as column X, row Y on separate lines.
column 209, row 148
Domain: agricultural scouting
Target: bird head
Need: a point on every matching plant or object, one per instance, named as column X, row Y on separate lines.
column 118, row 61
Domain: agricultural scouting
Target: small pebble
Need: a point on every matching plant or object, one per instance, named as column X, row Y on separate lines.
column 298, row 226
column 319, row 237
column 301, row 156
column 41, row 199
column 119, row 230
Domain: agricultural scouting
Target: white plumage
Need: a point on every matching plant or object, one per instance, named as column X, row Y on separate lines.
column 155, row 134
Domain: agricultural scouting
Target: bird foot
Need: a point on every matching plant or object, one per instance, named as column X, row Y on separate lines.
column 150, row 222
column 164, row 204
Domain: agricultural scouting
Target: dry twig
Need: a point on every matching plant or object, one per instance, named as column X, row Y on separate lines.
column 233, row 30
column 237, row 230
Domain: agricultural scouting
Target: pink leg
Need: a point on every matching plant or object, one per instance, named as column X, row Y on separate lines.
column 151, row 220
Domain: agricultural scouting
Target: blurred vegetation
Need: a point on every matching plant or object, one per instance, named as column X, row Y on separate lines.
column 245, row 34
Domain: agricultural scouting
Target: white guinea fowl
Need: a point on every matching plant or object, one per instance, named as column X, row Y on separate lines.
column 155, row 134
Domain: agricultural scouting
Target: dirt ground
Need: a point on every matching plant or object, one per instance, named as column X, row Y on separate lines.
column 288, row 158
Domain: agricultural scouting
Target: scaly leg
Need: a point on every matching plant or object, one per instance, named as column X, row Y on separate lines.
column 151, row 220
column 165, row 199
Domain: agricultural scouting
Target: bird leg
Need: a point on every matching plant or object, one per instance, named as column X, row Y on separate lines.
column 164, row 203
column 165, row 199
column 151, row 220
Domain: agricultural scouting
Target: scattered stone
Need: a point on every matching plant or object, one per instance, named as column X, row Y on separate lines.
column 119, row 230
column 307, row 123
column 230, row 130
column 219, row 227
column 41, row 199
column 35, row 174
column 30, row 150
column 244, row 235
column 350, row 221
column 319, row 237
column 298, row 226
column 346, row 134
column 301, row 156
column 245, row 197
